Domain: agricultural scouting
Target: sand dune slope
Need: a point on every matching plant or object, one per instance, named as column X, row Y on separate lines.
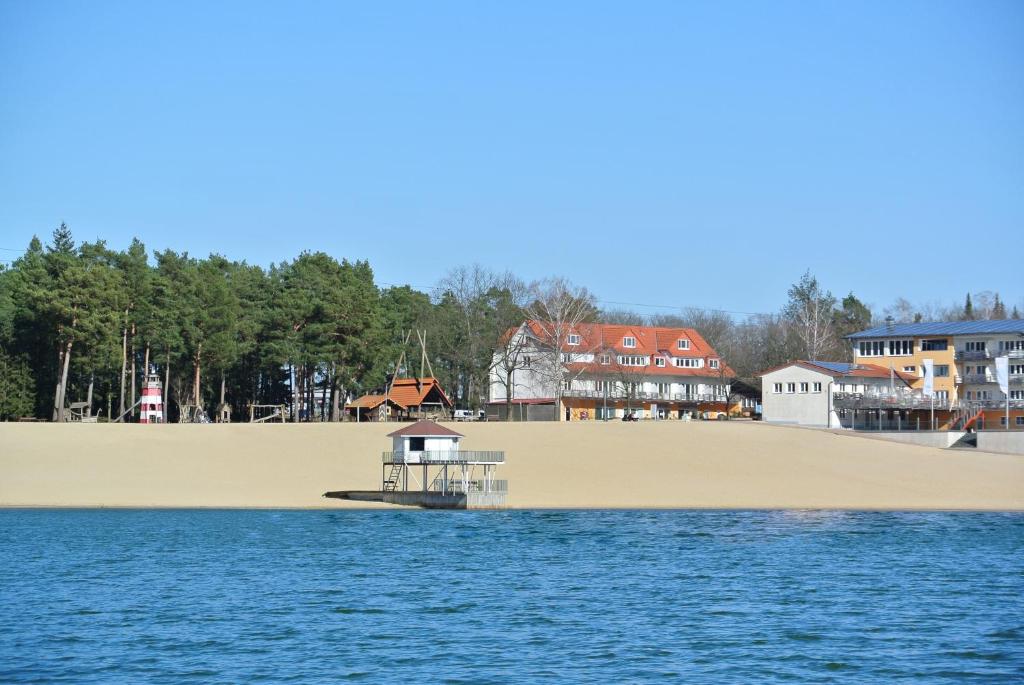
column 667, row 464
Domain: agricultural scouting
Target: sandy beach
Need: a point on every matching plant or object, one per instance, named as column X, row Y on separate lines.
column 575, row 465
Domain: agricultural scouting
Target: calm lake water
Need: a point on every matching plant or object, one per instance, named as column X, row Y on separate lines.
column 596, row 596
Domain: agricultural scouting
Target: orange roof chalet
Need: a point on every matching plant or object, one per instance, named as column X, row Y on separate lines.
column 372, row 402
column 413, row 392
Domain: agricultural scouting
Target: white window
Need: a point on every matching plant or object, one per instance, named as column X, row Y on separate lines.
column 1016, row 368
column 942, row 396
column 976, row 346
column 682, row 344
column 909, row 369
column 790, row 387
column 567, row 385
column 872, row 348
column 777, row 388
column 817, row 387
column 574, row 339
column 566, row 357
column 687, row 362
column 1008, row 345
column 901, row 348
column 1019, row 420
column 629, row 341
column 664, row 388
column 1017, row 394
column 713, row 363
column 606, row 359
column 803, row 387
column 659, row 361
column 632, row 360
column 941, row 370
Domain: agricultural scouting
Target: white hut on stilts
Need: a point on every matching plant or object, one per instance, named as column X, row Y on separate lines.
column 426, row 467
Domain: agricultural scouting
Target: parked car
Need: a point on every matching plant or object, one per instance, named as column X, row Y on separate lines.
column 470, row 415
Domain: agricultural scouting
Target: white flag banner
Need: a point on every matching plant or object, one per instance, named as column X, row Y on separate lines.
column 1003, row 374
column 929, row 377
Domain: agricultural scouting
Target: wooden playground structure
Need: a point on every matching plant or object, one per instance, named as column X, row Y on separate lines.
column 266, row 413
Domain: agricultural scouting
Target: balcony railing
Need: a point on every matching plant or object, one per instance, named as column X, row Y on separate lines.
column 990, row 404
column 454, row 486
column 446, row 457
column 856, row 400
column 1015, row 379
column 851, row 400
column 653, row 396
column 973, row 355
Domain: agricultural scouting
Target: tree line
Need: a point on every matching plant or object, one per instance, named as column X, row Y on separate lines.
column 86, row 323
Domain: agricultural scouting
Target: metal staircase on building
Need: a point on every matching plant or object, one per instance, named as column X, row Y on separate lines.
column 966, row 419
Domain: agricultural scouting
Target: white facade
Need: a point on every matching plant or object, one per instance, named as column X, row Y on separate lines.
column 413, row 446
column 794, row 394
column 535, row 379
column 803, row 396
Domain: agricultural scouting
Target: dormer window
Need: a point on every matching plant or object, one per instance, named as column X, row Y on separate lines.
column 606, row 359
column 713, row 363
column 629, row 341
column 574, row 339
column 659, row 361
column 682, row 344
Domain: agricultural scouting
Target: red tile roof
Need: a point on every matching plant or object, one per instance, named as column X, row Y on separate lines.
column 424, row 429
column 651, row 341
column 411, row 392
column 370, row 402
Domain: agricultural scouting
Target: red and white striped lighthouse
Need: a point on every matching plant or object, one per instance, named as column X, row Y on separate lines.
column 151, row 409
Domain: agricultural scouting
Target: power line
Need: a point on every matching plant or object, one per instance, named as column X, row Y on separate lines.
column 647, row 305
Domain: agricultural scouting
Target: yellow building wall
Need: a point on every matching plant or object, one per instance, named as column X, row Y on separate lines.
column 947, row 356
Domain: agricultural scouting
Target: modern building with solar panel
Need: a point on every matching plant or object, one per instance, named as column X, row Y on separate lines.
column 887, row 385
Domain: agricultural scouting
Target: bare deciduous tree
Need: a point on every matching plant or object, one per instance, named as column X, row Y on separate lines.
column 557, row 307
column 810, row 314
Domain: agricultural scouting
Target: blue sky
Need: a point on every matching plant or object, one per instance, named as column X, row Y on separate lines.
column 669, row 153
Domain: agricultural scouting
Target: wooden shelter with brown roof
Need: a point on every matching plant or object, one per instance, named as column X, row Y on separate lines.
column 406, row 398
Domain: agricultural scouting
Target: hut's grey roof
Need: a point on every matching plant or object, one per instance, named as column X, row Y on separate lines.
column 425, row 429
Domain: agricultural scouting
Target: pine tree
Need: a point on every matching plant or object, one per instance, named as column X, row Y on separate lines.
column 968, row 314
column 1015, row 314
column 998, row 309
column 63, row 243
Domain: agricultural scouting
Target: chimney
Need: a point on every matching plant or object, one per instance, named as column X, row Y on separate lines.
column 890, row 323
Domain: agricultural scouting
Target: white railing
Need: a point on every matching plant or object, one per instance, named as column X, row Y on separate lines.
column 445, row 457
column 640, row 395
column 856, row 400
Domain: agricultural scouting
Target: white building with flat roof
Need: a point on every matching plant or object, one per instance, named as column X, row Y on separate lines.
column 805, row 392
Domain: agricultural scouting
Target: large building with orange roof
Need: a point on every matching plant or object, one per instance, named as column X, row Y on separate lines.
column 607, row 371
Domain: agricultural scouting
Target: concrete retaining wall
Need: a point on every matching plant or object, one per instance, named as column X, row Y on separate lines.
column 1010, row 442
column 926, row 438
